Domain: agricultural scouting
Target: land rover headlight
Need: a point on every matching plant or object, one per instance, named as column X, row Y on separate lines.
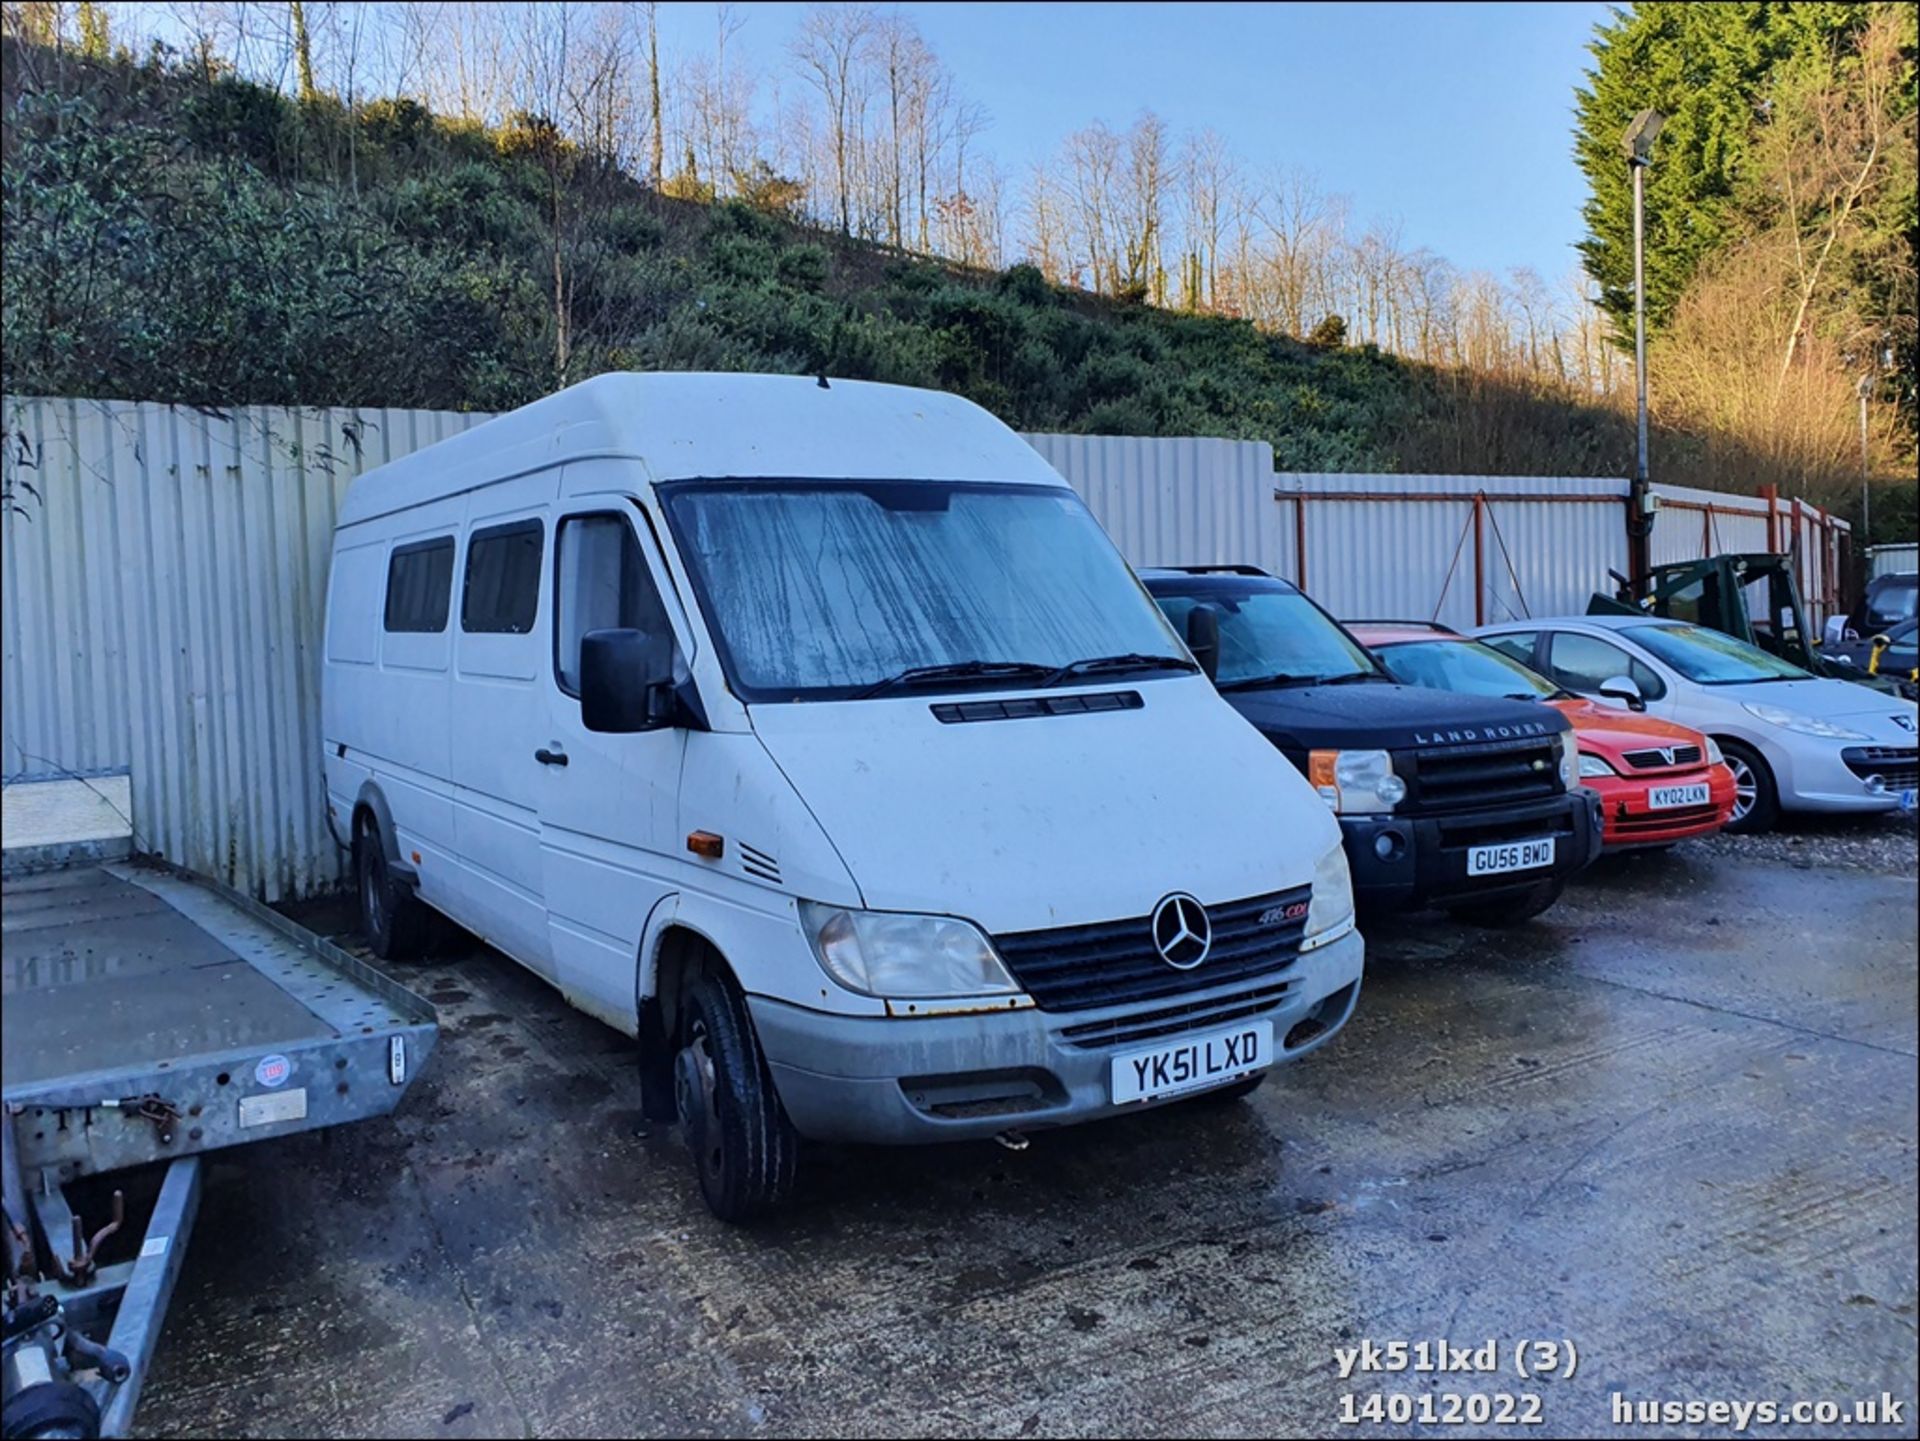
column 1714, row 757
column 1570, row 770
column 887, row 953
column 1356, row 782
column 1805, row 725
column 1330, row 912
column 1592, row 765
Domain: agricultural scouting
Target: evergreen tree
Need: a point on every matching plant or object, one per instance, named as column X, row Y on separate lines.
column 1709, row 69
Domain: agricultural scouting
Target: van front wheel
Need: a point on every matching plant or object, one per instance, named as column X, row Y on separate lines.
column 396, row 923
column 743, row 1145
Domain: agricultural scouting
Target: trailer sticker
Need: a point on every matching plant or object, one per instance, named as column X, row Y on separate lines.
column 155, row 1246
column 273, row 1107
column 273, row 1070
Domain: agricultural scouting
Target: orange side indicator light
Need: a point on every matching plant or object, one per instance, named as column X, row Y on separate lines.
column 1321, row 775
column 706, row 843
column 416, row 858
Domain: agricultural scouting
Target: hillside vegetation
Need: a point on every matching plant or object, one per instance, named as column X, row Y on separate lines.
column 177, row 233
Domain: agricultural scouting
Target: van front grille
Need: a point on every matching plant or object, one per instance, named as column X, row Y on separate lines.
column 1113, row 963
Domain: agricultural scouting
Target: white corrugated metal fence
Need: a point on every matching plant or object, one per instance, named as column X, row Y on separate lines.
column 165, row 573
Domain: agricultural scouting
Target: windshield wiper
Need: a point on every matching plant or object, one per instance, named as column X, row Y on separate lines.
column 1128, row 660
column 957, row 670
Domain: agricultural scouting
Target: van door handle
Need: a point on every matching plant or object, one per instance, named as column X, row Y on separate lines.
column 554, row 757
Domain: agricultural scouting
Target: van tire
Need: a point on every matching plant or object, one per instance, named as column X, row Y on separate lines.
column 1750, row 769
column 397, row 924
column 744, row 1148
column 1510, row 910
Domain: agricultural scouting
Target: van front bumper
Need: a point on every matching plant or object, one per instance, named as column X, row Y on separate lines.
column 949, row 1078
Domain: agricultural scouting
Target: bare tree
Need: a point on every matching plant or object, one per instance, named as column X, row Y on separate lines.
column 829, row 49
column 1300, row 226
column 1142, row 212
column 302, row 50
column 1211, row 198
column 1093, row 163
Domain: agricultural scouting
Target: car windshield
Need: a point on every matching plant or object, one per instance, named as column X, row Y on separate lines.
column 818, row 590
column 1712, row 657
column 1465, row 666
column 1271, row 632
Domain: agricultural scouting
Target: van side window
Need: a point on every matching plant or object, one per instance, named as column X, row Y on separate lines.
column 502, row 592
column 1583, row 663
column 600, row 583
column 420, row 585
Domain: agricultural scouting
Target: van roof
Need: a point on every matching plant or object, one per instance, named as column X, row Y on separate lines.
column 693, row 426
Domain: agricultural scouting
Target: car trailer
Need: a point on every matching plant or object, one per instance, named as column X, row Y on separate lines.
column 151, row 1017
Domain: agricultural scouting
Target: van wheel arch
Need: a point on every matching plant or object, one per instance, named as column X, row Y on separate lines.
column 681, row 956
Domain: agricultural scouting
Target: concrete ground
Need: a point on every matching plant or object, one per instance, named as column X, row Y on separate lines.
column 1672, row 1123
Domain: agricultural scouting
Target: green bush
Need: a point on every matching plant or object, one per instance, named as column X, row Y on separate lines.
column 803, row 267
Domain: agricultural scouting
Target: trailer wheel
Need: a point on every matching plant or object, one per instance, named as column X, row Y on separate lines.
column 1510, row 910
column 396, row 923
column 744, row 1147
column 50, row 1409
column 1756, row 799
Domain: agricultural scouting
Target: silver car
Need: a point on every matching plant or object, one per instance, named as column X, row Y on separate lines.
column 1794, row 741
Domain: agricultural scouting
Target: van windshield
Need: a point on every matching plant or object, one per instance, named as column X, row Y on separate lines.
column 819, row 590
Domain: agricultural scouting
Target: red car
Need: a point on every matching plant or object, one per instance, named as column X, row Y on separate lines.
column 1658, row 782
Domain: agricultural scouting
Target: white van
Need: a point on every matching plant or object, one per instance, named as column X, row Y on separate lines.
column 816, row 736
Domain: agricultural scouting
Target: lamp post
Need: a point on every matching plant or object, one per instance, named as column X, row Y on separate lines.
column 1866, row 465
column 1638, row 143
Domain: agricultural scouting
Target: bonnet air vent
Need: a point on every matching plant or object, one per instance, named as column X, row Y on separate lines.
column 759, row 864
column 958, row 712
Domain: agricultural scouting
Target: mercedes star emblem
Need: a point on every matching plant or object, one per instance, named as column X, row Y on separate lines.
column 1181, row 931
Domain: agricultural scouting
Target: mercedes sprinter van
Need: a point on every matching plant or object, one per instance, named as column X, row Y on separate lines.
column 815, row 735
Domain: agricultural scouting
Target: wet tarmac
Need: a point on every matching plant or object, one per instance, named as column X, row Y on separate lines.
column 1672, row 1123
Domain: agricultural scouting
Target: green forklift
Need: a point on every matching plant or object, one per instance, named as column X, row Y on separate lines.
column 1751, row 596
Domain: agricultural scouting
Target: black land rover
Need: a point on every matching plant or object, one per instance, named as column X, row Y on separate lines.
column 1446, row 800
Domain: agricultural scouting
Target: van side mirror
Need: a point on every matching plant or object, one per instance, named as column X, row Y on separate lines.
column 1622, row 688
column 1203, row 638
column 626, row 681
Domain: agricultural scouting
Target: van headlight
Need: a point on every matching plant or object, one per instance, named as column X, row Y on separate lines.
column 1356, row 782
column 1593, row 766
column 1714, row 756
column 885, row 953
column 1805, row 725
column 1569, row 761
column 1330, row 912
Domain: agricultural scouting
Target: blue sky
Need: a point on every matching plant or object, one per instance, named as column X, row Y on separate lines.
column 1454, row 117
